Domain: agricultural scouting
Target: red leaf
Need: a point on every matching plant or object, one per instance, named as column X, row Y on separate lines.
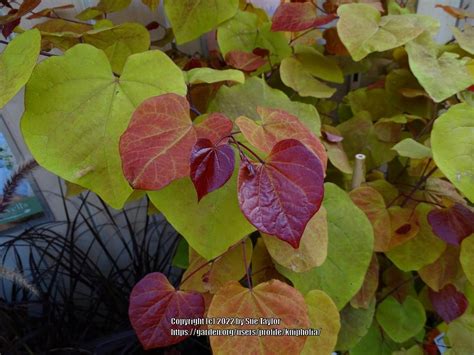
column 156, row 146
column 153, row 303
column 262, row 52
column 214, row 127
column 211, row 166
column 277, row 125
column 452, row 224
column 280, row 196
column 8, row 28
column 245, row 61
column 471, row 88
column 295, row 17
column 448, row 302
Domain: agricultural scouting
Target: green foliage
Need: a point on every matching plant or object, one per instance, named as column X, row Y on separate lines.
column 240, row 142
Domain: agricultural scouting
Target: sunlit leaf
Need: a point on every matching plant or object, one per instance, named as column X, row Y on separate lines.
column 281, row 301
column 190, row 19
column 245, row 61
column 363, row 30
column 210, row 278
column 452, row 140
column 208, row 75
column 412, row 149
column 312, row 251
column 276, row 125
column 465, row 38
column 323, row 314
column 244, row 33
column 298, row 16
column 459, row 335
column 211, row 225
column 355, row 323
column 280, row 195
column 119, row 42
column 448, row 302
column 16, row 64
column 441, row 74
column 420, row 251
column 243, row 100
column 467, row 257
column 68, row 111
column 401, row 321
column 62, row 34
column 153, row 302
column 350, row 233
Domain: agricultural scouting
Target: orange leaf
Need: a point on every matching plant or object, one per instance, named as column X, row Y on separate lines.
column 263, row 268
column 277, row 125
column 371, row 202
column 443, row 271
column 405, row 225
column 273, row 300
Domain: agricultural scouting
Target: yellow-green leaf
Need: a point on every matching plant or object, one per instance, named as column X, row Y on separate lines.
column 317, row 64
column 355, row 323
column 441, row 74
column 17, row 62
column 208, row 76
column 294, row 75
column 465, row 38
column 210, row 226
column 412, row 149
column 452, row 142
column 420, row 251
column 323, row 314
column 350, row 233
column 76, row 110
column 459, row 335
column 313, row 247
column 113, row 5
column 192, row 18
column 119, row 42
column 363, row 30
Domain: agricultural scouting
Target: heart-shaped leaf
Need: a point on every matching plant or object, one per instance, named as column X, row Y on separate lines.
column 153, row 303
column 245, row 61
column 401, row 321
column 443, row 271
column 276, row 125
column 448, row 302
column 211, row 166
column 280, row 196
column 312, row 250
column 280, row 300
column 298, row 16
column 157, row 144
column 467, row 257
column 452, row 224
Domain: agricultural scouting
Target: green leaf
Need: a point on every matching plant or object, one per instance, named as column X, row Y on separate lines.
column 89, row 14
column 459, row 335
column 192, row 18
column 355, row 323
column 76, row 111
column 317, row 64
column 465, row 38
column 412, row 149
column 113, row 5
column 452, row 143
column 17, row 62
column 294, row 75
column 322, row 314
column 374, row 342
column 208, row 75
column 119, row 42
column 350, row 233
column 210, row 226
column 424, row 249
column 375, row 101
column 181, row 257
column 363, row 30
column 401, row 321
column 244, row 33
column 467, row 257
column 243, row 100
column 441, row 75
